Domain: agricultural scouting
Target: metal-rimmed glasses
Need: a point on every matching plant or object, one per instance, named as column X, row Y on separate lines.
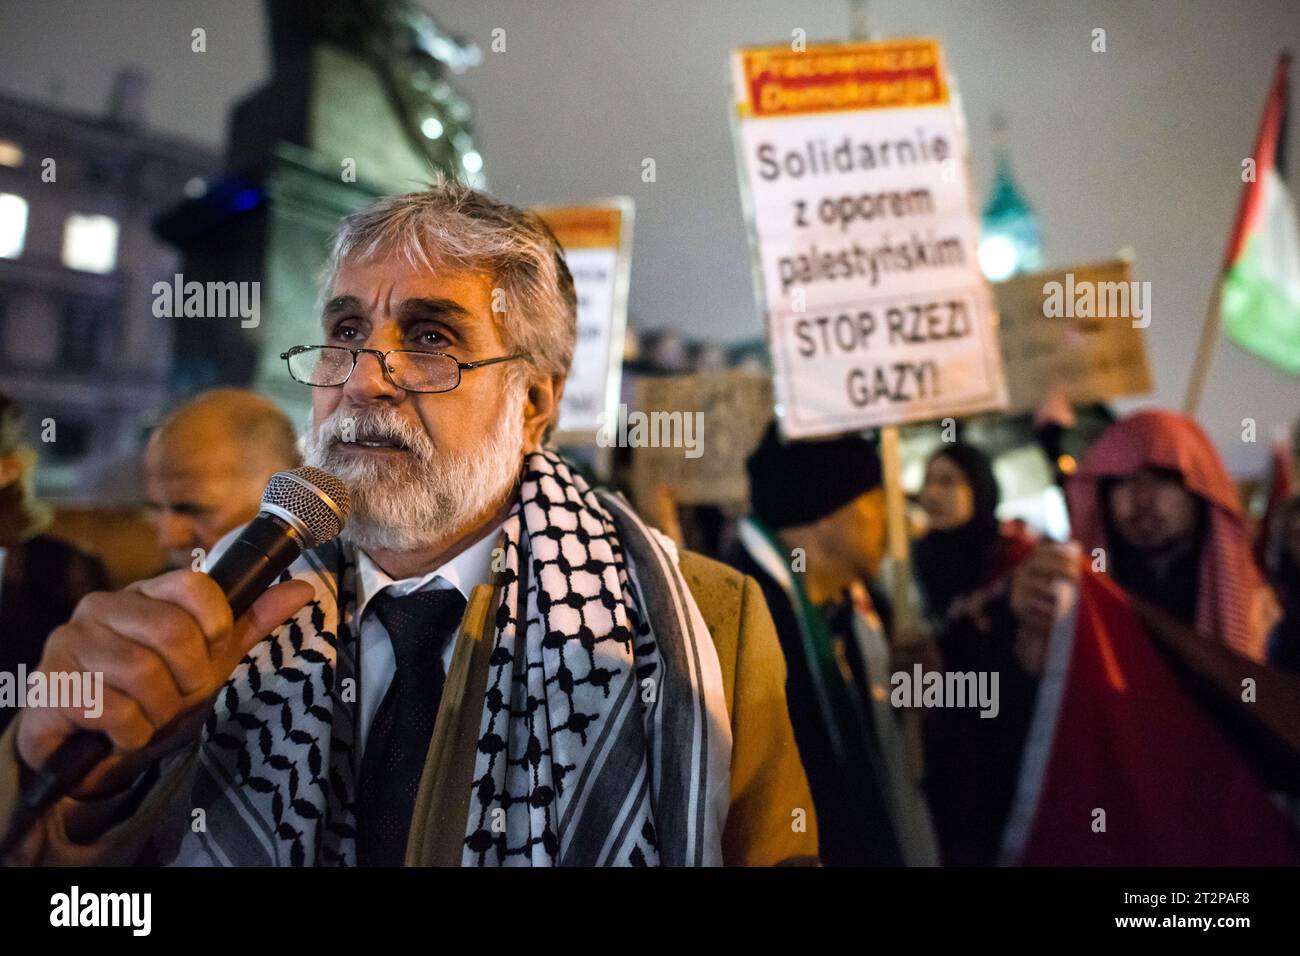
column 328, row 366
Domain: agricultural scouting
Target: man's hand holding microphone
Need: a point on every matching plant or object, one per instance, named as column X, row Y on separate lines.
column 165, row 647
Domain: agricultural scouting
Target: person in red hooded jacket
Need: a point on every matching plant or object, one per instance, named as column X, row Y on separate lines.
column 1126, row 761
column 1153, row 505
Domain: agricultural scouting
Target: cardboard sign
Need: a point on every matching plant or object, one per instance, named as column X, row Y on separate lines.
column 856, row 189
column 722, row 414
column 1079, row 329
column 597, row 242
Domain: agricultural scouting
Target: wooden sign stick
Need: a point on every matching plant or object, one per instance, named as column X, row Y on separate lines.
column 901, row 594
column 907, row 620
column 1204, row 352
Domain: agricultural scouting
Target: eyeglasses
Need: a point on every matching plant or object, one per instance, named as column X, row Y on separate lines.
column 328, row 366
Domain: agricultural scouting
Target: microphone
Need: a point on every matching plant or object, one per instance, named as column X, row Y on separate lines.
column 301, row 509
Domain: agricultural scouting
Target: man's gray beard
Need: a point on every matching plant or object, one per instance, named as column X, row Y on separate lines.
column 425, row 495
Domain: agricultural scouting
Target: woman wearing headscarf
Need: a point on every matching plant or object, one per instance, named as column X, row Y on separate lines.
column 966, row 552
column 962, row 567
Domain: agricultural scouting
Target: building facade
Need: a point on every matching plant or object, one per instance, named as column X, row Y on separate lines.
column 80, row 345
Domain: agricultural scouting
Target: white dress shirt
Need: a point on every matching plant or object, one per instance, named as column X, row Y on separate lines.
column 470, row 568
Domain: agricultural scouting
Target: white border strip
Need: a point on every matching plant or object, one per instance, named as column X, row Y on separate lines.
column 1038, row 742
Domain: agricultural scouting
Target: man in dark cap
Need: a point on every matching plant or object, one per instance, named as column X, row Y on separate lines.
column 814, row 541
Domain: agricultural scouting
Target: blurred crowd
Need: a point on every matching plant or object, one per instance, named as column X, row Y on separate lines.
column 1155, row 520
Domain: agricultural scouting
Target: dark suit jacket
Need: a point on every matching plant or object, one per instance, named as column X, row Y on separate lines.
column 852, row 811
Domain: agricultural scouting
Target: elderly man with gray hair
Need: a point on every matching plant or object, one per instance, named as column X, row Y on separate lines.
column 495, row 665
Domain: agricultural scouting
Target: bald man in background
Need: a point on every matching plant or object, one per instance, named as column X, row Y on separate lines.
column 207, row 464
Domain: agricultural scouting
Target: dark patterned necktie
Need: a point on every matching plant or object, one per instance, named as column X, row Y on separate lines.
column 418, row 626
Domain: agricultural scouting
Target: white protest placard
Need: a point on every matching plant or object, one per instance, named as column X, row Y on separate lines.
column 855, row 183
column 597, row 243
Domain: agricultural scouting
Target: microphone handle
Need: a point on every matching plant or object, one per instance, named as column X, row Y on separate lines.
column 43, row 787
column 267, row 546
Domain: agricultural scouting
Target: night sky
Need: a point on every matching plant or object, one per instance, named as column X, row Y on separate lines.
column 1140, row 146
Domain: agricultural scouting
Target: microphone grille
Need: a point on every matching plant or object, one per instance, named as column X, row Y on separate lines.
column 315, row 497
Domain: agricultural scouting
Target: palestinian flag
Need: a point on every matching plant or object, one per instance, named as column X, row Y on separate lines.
column 1122, row 766
column 1260, row 298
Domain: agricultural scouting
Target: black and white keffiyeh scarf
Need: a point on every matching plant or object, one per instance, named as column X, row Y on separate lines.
column 604, row 735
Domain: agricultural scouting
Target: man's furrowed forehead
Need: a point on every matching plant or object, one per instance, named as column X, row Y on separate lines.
column 387, row 280
column 417, row 307
column 387, row 284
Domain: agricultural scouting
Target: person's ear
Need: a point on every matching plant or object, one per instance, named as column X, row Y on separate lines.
column 541, row 410
column 876, row 505
column 879, row 516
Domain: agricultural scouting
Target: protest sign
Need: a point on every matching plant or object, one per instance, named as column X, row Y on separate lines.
column 1078, row 329
column 722, row 417
column 597, row 242
column 856, row 190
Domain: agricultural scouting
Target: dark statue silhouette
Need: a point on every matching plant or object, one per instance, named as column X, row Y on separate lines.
column 409, row 53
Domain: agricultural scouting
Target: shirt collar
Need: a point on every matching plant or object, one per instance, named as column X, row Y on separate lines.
column 466, row 571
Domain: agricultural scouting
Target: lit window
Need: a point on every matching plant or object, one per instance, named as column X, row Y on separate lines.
column 11, row 154
column 90, row 243
column 13, row 225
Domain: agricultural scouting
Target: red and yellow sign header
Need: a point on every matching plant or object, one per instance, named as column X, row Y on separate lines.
column 584, row 227
column 838, row 77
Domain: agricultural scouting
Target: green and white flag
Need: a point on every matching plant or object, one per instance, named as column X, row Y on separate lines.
column 1260, row 298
